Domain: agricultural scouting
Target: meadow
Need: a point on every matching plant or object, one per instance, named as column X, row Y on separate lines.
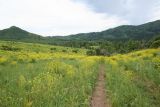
column 35, row 75
column 133, row 80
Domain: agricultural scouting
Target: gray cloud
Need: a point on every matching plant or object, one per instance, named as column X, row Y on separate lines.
column 63, row 17
column 54, row 17
column 134, row 11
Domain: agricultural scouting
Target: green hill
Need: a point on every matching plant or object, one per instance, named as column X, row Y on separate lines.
column 17, row 34
column 125, row 32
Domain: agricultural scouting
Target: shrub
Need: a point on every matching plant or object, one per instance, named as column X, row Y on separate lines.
column 91, row 52
column 156, row 44
column 53, row 49
column 75, row 51
column 9, row 48
column 64, row 50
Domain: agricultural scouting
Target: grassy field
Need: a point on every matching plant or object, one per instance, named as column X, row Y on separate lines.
column 133, row 80
column 35, row 75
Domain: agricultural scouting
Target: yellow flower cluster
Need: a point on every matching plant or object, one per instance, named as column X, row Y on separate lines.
column 3, row 60
column 60, row 68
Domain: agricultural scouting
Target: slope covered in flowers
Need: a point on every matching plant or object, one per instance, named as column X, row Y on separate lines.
column 133, row 80
column 35, row 75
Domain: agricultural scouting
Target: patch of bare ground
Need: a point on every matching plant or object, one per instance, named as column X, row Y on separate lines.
column 98, row 98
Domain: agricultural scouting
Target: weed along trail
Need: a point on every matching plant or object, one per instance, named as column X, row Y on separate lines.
column 98, row 98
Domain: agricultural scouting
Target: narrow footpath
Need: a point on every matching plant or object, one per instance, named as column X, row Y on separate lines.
column 98, row 98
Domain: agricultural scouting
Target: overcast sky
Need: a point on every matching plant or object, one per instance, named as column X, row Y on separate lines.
column 64, row 17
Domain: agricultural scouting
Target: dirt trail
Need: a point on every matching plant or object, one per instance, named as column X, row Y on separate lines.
column 98, row 98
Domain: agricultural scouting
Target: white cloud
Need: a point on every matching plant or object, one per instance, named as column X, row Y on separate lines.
column 54, row 17
column 134, row 11
column 155, row 12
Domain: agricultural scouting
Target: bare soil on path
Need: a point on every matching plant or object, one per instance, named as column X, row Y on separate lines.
column 98, row 98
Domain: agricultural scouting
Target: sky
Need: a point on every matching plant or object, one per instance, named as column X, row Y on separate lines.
column 65, row 17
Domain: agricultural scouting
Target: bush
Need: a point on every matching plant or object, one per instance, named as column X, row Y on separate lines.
column 75, row 51
column 53, row 49
column 91, row 52
column 155, row 44
column 64, row 50
column 33, row 60
column 9, row 48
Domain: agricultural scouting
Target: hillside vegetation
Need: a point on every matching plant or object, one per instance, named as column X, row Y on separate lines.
column 133, row 80
column 122, row 39
column 33, row 75
column 124, row 32
column 36, row 75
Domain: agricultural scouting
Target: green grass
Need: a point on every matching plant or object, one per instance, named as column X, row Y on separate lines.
column 47, row 84
column 45, row 79
column 35, row 47
column 134, row 82
column 35, row 75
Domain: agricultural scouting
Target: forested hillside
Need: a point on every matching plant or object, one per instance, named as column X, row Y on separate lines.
column 124, row 32
column 122, row 39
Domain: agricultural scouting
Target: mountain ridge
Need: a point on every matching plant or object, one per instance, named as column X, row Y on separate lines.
column 146, row 30
column 124, row 32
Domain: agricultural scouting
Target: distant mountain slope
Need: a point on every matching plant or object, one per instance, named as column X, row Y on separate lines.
column 125, row 32
column 17, row 34
column 145, row 31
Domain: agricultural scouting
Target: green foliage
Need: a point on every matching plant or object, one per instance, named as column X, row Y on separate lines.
column 64, row 50
column 38, row 48
column 35, row 75
column 85, row 40
column 156, row 44
column 133, row 80
column 9, row 48
column 125, row 32
column 44, row 79
column 53, row 49
column 75, row 51
column 91, row 52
